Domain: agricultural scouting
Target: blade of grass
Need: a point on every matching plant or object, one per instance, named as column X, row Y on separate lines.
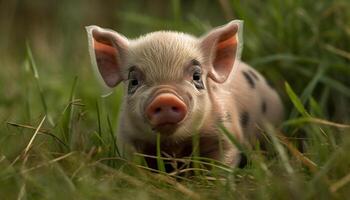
column 41, row 131
column 296, row 101
column 49, row 162
column 341, row 183
column 98, row 119
column 101, row 141
column 33, row 137
column 180, row 187
column 315, row 108
column 27, row 90
column 322, row 173
column 68, row 113
column 294, row 151
column 233, row 140
column 306, row 94
column 160, row 162
column 114, row 139
column 279, row 148
column 337, row 51
column 302, row 120
column 37, row 80
column 200, row 160
column 336, row 85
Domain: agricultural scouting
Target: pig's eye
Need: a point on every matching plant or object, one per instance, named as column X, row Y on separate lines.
column 197, row 78
column 134, row 81
column 133, row 85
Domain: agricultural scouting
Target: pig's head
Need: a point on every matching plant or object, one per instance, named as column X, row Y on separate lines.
column 165, row 74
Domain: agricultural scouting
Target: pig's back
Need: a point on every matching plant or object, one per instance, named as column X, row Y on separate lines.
column 256, row 101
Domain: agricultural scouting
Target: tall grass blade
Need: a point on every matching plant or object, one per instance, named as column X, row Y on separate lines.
column 310, row 87
column 98, row 119
column 113, row 137
column 67, row 120
column 160, row 162
column 296, row 101
column 37, row 80
column 279, row 148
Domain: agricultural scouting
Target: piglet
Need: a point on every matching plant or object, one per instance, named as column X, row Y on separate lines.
column 178, row 85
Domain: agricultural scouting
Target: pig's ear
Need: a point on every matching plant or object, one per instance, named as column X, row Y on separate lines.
column 107, row 49
column 222, row 47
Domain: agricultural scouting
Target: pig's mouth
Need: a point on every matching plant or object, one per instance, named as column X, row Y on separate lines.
column 165, row 129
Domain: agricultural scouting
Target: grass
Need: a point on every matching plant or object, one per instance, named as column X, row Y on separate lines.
column 57, row 136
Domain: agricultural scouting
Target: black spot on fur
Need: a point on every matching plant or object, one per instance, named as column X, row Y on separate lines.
column 263, row 107
column 254, row 75
column 244, row 119
column 249, row 79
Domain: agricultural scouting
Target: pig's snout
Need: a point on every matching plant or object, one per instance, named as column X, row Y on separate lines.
column 166, row 109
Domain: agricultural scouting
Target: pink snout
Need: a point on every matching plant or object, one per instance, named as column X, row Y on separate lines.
column 166, row 109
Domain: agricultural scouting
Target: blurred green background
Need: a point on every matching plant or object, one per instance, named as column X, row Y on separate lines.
column 303, row 42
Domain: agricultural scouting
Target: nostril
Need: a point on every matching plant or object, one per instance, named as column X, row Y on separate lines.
column 176, row 109
column 158, row 110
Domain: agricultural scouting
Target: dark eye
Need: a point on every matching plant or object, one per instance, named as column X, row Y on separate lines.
column 134, row 80
column 197, row 78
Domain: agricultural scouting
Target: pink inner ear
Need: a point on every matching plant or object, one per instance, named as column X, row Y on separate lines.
column 106, row 59
column 108, row 49
column 225, row 54
column 229, row 42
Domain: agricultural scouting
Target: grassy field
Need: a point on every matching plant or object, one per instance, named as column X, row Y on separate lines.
column 57, row 129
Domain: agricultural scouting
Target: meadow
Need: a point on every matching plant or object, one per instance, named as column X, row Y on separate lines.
column 57, row 125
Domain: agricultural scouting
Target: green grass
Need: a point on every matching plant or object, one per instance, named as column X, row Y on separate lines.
column 57, row 136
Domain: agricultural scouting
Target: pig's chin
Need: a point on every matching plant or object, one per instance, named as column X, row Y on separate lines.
column 166, row 129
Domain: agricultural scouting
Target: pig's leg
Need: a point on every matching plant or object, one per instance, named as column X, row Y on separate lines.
column 219, row 148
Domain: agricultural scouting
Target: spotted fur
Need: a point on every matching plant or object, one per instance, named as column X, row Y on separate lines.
column 244, row 119
column 249, row 79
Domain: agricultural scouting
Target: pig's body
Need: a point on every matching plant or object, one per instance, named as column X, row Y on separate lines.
column 241, row 104
column 255, row 100
column 178, row 85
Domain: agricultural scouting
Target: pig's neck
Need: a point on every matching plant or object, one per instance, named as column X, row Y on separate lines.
column 222, row 110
